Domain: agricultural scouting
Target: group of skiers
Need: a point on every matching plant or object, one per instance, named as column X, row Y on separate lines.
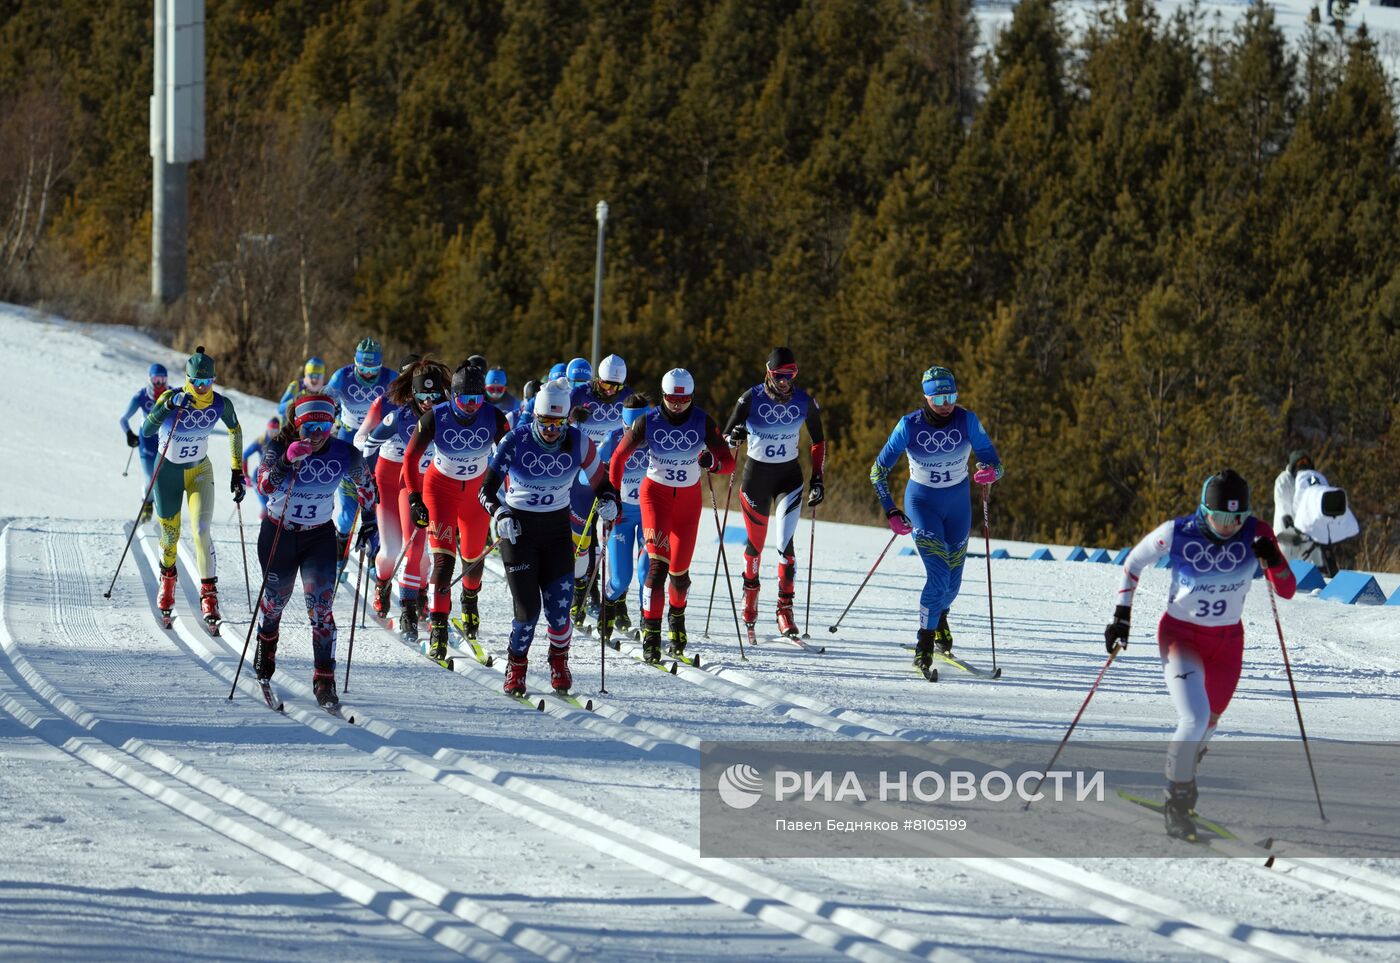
column 433, row 461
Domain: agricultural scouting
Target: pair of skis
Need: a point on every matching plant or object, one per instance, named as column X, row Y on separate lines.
column 931, row 674
column 793, row 638
column 1158, row 806
column 275, row 703
column 467, row 641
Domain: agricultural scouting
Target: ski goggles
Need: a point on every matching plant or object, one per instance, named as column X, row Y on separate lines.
column 609, row 388
column 786, row 373
column 315, row 426
column 200, row 382
column 942, row 398
column 428, row 396
column 495, row 392
column 469, row 401
column 159, row 384
column 368, row 372
column 315, row 380
column 676, row 401
column 551, row 421
column 1226, row 518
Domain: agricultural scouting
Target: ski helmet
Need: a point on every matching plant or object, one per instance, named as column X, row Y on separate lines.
column 552, row 400
column 677, row 389
column 579, row 372
column 782, row 359
column 496, row 383
column 427, row 381
column 938, row 380
column 468, row 380
column 1225, row 492
column 557, row 371
column 368, row 354
column 612, row 369
column 200, row 365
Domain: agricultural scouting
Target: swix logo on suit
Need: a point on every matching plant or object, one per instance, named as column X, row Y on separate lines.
column 191, row 434
column 774, row 426
column 317, row 478
column 1210, row 579
column 540, row 477
column 460, row 450
column 674, row 450
column 354, row 396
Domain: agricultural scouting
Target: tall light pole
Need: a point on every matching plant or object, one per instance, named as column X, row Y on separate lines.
column 177, row 138
column 602, row 212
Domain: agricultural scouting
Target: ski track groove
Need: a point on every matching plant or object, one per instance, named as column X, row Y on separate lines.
column 421, row 906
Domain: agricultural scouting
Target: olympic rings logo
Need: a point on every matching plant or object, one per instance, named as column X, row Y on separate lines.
column 637, row 460
column 198, row 419
column 457, row 439
column 359, row 394
column 944, row 441
column 779, row 414
column 1203, row 558
column 674, row 440
column 543, row 464
column 319, row 470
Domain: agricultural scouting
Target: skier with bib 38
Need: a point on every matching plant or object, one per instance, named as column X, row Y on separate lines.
column 1200, row 638
column 938, row 438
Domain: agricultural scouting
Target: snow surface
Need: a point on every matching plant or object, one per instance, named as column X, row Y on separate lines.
column 148, row 817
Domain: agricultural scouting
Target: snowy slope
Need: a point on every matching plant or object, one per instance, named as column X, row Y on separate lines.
column 148, row 817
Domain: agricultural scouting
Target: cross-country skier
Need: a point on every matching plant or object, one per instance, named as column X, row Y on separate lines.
column 770, row 416
column 412, row 393
column 596, row 405
column 626, row 541
column 259, row 445
column 301, row 470
column 380, row 407
column 682, row 440
column 354, row 388
column 526, row 410
column 1200, row 638
column 541, row 461
column 446, row 499
column 157, row 379
column 496, row 391
column 938, row 439
column 311, row 381
column 185, row 418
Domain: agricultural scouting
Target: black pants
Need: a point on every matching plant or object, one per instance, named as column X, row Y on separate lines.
column 312, row 550
column 540, row 572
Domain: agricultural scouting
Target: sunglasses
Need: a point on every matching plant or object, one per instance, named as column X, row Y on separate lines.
column 609, row 387
column 368, row 372
column 429, row 396
column 550, row 421
column 782, row 374
column 946, row 398
column 495, row 391
column 201, row 382
column 158, row 382
column 1226, row 518
column 314, row 428
column 464, row 401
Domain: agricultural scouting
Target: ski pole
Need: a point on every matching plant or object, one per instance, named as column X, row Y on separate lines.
column 364, row 603
column 714, row 504
column 344, row 558
column 1051, row 764
column 150, row 485
column 1297, row 707
column 714, row 578
column 833, row 628
column 811, row 549
column 271, row 556
column 605, row 630
column 243, row 543
column 987, row 535
column 354, row 611
column 489, row 549
column 129, row 453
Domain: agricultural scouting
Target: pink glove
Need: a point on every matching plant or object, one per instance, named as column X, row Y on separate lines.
column 298, row 450
column 899, row 522
column 984, row 475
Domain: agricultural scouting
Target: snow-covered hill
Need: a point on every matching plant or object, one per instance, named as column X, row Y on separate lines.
column 146, row 816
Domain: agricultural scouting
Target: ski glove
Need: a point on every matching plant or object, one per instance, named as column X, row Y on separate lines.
column 706, row 460
column 418, row 510
column 985, row 474
column 179, row 399
column 368, row 532
column 298, row 450
column 506, row 525
column 899, row 522
column 238, row 486
column 736, row 435
column 1267, row 552
column 607, row 507
column 131, row 440
column 815, row 492
column 579, row 414
column 1115, row 635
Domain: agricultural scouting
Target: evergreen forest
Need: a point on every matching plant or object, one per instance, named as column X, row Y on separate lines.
column 1149, row 249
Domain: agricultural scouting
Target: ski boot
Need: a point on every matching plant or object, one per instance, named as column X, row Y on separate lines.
column 618, row 619
column 560, row 678
column 165, row 597
column 342, row 556
column 515, row 673
column 147, row 510
column 437, row 637
column 408, row 620
column 943, row 636
column 323, row 687
column 923, row 650
column 209, row 601
column 265, row 657
column 381, row 596
column 578, row 611
column 675, row 634
column 595, row 603
column 471, row 619
column 651, row 640
column 750, row 600
column 787, row 622
column 1181, row 801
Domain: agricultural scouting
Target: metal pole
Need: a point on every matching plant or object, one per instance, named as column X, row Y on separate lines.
column 602, row 213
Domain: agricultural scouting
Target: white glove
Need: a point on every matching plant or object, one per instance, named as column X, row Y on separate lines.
column 506, row 525
column 607, row 510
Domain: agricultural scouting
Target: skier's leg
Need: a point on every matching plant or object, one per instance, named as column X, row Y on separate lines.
column 317, row 558
column 199, row 483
